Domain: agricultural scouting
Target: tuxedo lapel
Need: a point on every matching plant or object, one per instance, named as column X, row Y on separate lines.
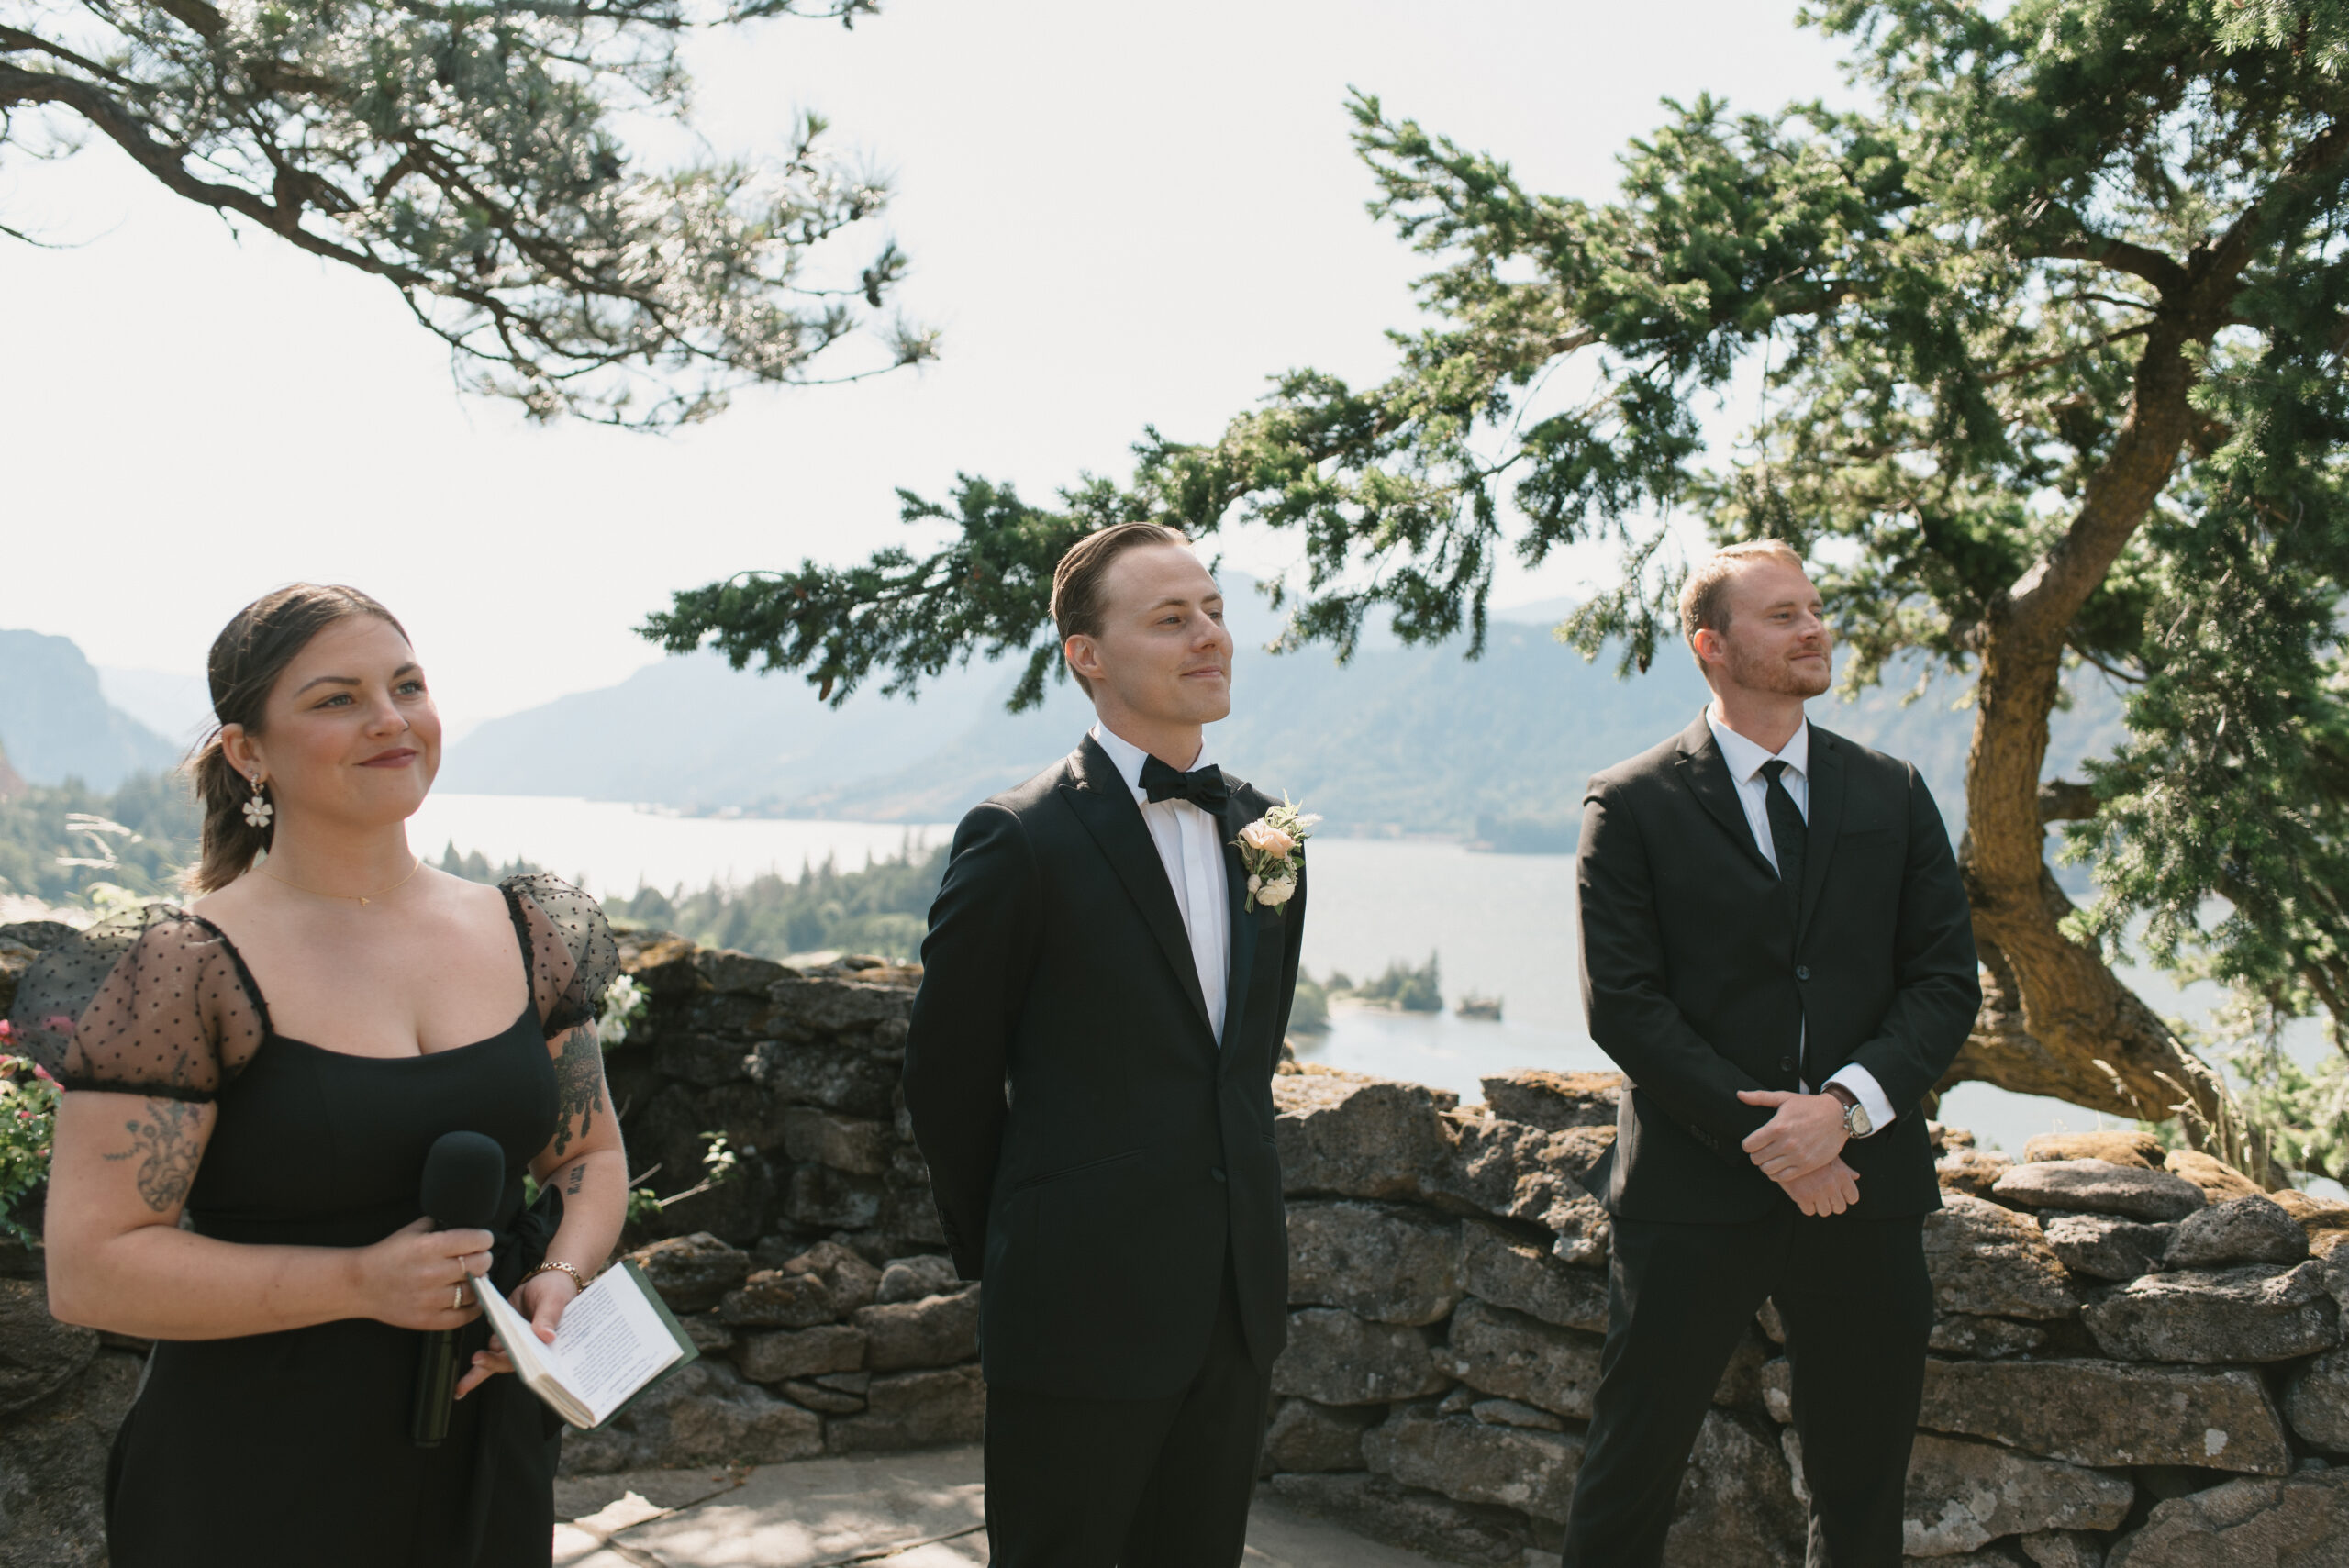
column 1825, row 821
column 1105, row 804
column 1705, row 771
column 1238, row 812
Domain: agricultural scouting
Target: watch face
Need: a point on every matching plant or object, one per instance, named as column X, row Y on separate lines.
column 1857, row 1122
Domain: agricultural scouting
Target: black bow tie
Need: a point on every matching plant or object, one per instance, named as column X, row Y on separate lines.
column 1204, row 787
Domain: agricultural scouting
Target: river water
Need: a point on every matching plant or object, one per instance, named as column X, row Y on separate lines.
column 1498, row 925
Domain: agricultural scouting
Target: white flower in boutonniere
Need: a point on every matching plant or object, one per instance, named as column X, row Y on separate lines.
column 1271, row 852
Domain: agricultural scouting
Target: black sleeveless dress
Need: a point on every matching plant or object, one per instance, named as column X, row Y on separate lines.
column 294, row 1447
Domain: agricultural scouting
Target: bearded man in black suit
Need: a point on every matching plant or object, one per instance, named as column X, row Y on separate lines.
column 1777, row 951
column 1088, row 1074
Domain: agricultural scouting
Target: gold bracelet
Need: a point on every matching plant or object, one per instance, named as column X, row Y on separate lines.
column 548, row 1268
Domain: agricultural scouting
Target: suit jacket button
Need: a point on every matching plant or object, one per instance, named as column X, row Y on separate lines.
column 1802, row 971
column 1216, row 1172
column 1786, row 1064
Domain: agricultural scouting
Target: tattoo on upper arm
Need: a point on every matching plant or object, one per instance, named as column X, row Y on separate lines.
column 578, row 1085
column 578, row 1176
column 166, row 1150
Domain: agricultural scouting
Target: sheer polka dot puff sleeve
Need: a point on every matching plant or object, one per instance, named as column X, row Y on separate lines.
column 573, row 959
column 148, row 1003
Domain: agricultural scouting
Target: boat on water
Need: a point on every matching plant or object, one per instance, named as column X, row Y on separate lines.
column 1488, row 1007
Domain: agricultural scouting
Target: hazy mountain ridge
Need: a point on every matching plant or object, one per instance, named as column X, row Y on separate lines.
column 56, row 723
column 1402, row 739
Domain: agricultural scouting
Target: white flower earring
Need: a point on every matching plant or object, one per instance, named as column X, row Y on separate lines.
column 258, row 810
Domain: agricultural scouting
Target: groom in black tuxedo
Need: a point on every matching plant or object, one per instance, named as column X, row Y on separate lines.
column 1777, row 951
column 1089, row 1076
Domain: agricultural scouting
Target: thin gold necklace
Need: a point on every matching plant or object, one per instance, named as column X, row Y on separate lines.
column 363, row 899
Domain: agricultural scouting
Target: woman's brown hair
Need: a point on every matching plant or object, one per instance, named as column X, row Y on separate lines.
column 247, row 658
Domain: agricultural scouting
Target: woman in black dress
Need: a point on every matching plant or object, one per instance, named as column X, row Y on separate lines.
column 253, row 1081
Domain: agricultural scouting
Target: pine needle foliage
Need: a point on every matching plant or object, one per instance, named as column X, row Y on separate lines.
column 475, row 157
column 2051, row 333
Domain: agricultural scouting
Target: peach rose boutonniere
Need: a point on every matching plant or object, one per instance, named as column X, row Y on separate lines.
column 1272, row 852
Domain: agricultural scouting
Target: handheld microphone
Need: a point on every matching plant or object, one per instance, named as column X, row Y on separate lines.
column 464, row 1175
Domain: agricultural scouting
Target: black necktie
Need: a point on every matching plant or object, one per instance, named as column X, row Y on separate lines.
column 1789, row 833
column 1204, row 787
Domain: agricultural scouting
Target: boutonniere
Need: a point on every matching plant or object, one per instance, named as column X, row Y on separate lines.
column 1269, row 852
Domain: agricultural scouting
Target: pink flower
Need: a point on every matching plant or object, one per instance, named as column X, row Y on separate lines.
column 1266, row 838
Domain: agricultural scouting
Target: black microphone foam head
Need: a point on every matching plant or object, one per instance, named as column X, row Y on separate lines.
column 463, row 1175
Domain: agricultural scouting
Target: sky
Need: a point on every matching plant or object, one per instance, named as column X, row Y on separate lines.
column 1118, row 216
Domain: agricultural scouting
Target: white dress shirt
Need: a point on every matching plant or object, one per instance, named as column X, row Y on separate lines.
column 1745, row 758
column 1190, row 846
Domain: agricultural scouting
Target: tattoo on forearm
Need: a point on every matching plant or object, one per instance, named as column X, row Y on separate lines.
column 578, row 1085
column 166, row 1151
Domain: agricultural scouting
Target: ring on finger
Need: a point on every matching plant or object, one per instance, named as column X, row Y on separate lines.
column 456, row 1302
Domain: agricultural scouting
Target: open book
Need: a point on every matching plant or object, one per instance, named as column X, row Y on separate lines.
column 617, row 1337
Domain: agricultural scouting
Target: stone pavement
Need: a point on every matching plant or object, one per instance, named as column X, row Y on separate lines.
column 901, row 1510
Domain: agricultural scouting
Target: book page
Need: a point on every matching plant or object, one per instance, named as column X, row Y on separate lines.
column 611, row 1343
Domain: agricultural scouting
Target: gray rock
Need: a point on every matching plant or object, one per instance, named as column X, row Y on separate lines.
column 2252, row 1229
column 2063, row 1548
column 821, row 1397
column 852, row 1281
column 1306, row 1437
column 838, row 1077
column 800, row 1352
column 1479, row 1535
column 774, row 1299
column 855, row 1144
column 821, row 1198
column 2257, row 1313
column 834, row 1006
column 1526, row 1277
column 914, row 1409
column 710, row 1333
column 704, row 1414
column 2099, row 1186
column 1586, row 1234
column 1988, row 1338
column 2141, row 1149
column 1736, row 1507
column 1388, row 1264
column 2299, row 1522
column 2316, row 1402
column 691, row 1274
column 1741, row 1380
column 1974, row 1171
column 53, row 1466
column 1498, row 1351
column 39, row 1355
column 1991, row 1261
column 2218, row 1181
column 704, row 1060
column 937, row 1330
column 732, row 973
column 2108, row 1414
column 1509, row 1413
column 2107, row 1246
column 1348, row 1135
column 1963, row 1495
column 1336, row 1358
column 1469, row 1461
column 1554, row 1101
column 910, row 1279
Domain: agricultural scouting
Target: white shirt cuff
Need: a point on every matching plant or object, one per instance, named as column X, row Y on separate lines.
column 1869, row 1092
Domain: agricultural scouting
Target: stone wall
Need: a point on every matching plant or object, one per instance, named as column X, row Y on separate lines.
column 2138, row 1360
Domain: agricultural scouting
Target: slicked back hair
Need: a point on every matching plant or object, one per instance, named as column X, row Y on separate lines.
column 1077, row 581
column 1704, row 597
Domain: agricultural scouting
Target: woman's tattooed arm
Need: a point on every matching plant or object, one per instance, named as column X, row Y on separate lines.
column 578, row 1085
column 167, row 1149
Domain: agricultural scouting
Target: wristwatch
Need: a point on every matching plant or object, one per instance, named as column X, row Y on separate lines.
column 1857, row 1123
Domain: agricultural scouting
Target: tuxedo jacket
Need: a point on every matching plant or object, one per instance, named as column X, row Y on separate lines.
column 1095, row 1151
column 1699, row 980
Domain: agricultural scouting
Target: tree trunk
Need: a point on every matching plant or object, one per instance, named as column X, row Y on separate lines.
column 2056, row 1019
